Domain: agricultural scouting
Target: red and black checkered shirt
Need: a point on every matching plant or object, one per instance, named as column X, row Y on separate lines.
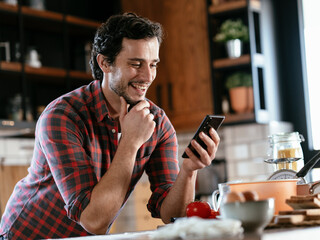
column 76, row 140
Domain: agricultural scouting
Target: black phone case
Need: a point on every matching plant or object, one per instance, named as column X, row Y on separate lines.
column 208, row 122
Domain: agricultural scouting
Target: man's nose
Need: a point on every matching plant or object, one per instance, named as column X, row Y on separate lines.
column 148, row 74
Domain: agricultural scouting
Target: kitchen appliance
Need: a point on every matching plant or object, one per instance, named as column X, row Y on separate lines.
column 291, row 174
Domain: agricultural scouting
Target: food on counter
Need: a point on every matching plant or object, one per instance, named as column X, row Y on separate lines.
column 304, row 201
column 199, row 209
column 250, row 195
column 214, row 214
column 306, row 212
column 241, row 196
column 289, row 153
column 233, row 197
column 198, row 228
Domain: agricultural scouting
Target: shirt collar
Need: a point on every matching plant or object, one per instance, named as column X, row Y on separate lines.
column 100, row 105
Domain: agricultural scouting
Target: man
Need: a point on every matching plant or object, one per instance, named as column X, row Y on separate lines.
column 90, row 151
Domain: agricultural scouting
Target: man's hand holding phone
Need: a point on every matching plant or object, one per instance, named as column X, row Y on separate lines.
column 204, row 144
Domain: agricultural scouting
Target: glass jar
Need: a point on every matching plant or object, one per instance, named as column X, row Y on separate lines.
column 286, row 151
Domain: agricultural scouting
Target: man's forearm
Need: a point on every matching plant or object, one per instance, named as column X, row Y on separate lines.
column 108, row 195
column 181, row 194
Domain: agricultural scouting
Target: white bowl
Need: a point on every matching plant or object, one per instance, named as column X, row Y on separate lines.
column 254, row 215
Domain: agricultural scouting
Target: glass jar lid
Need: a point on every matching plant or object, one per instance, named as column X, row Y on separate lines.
column 286, row 137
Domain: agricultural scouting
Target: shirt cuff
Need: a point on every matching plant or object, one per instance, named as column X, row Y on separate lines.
column 75, row 209
column 156, row 199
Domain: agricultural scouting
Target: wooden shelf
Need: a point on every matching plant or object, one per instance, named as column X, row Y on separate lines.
column 227, row 7
column 8, row 7
column 27, row 11
column 10, row 66
column 49, row 15
column 80, row 75
column 43, row 71
column 231, row 62
column 46, row 71
column 239, row 117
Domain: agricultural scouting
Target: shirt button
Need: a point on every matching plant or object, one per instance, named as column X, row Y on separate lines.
column 113, row 131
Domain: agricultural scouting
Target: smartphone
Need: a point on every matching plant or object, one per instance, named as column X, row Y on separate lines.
column 210, row 121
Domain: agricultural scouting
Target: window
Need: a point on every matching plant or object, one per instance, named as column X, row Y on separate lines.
column 310, row 40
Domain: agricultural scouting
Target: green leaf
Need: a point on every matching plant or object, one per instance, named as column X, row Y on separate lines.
column 232, row 29
column 239, row 79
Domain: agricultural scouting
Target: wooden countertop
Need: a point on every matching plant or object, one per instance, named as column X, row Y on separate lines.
column 309, row 233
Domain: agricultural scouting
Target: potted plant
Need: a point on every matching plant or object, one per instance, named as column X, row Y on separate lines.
column 240, row 89
column 233, row 33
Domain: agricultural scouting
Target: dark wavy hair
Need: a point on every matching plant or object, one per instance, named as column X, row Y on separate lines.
column 109, row 36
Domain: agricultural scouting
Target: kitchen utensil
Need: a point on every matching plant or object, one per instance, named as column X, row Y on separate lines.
column 309, row 165
column 280, row 190
column 218, row 195
column 290, row 174
column 286, row 174
column 254, row 215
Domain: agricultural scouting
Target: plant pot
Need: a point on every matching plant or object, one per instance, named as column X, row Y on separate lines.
column 241, row 99
column 234, row 48
column 250, row 99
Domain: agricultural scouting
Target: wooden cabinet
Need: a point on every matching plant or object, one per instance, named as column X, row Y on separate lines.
column 9, row 176
column 61, row 34
column 183, row 84
column 143, row 219
column 135, row 215
column 259, row 58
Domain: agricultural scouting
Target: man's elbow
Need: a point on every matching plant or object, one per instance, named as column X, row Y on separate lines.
column 94, row 227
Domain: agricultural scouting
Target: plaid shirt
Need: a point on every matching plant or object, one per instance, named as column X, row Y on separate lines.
column 76, row 140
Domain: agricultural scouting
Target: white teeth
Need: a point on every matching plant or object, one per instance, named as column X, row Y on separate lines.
column 142, row 87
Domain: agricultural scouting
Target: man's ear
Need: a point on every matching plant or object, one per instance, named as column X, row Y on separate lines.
column 103, row 64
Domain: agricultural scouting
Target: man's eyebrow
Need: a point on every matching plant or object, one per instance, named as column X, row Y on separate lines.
column 143, row 60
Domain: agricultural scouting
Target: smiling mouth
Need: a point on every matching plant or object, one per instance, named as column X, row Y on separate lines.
column 140, row 86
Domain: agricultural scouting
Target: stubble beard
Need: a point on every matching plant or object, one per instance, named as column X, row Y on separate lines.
column 121, row 92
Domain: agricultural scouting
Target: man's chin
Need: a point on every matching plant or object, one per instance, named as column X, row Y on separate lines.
column 131, row 101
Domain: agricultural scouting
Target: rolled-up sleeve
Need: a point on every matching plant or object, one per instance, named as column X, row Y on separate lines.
column 61, row 142
column 163, row 167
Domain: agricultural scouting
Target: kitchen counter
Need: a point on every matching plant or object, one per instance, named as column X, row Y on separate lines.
column 309, row 233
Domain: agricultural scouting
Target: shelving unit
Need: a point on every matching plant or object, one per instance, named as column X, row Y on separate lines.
column 258, row 59
column 49, row 15
column 44, row 71
column 227, row 7
column 59, row 37
column 231, row 62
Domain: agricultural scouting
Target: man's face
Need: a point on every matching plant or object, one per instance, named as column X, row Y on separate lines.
column 134, row 69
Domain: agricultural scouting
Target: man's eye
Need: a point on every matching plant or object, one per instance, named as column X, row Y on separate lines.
column 137, row 65
column 154, row 65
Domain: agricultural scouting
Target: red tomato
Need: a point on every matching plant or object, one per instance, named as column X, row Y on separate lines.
column 214, row 214
column 199, row 209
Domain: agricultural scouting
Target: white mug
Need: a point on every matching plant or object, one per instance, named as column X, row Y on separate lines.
column 218, row 195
